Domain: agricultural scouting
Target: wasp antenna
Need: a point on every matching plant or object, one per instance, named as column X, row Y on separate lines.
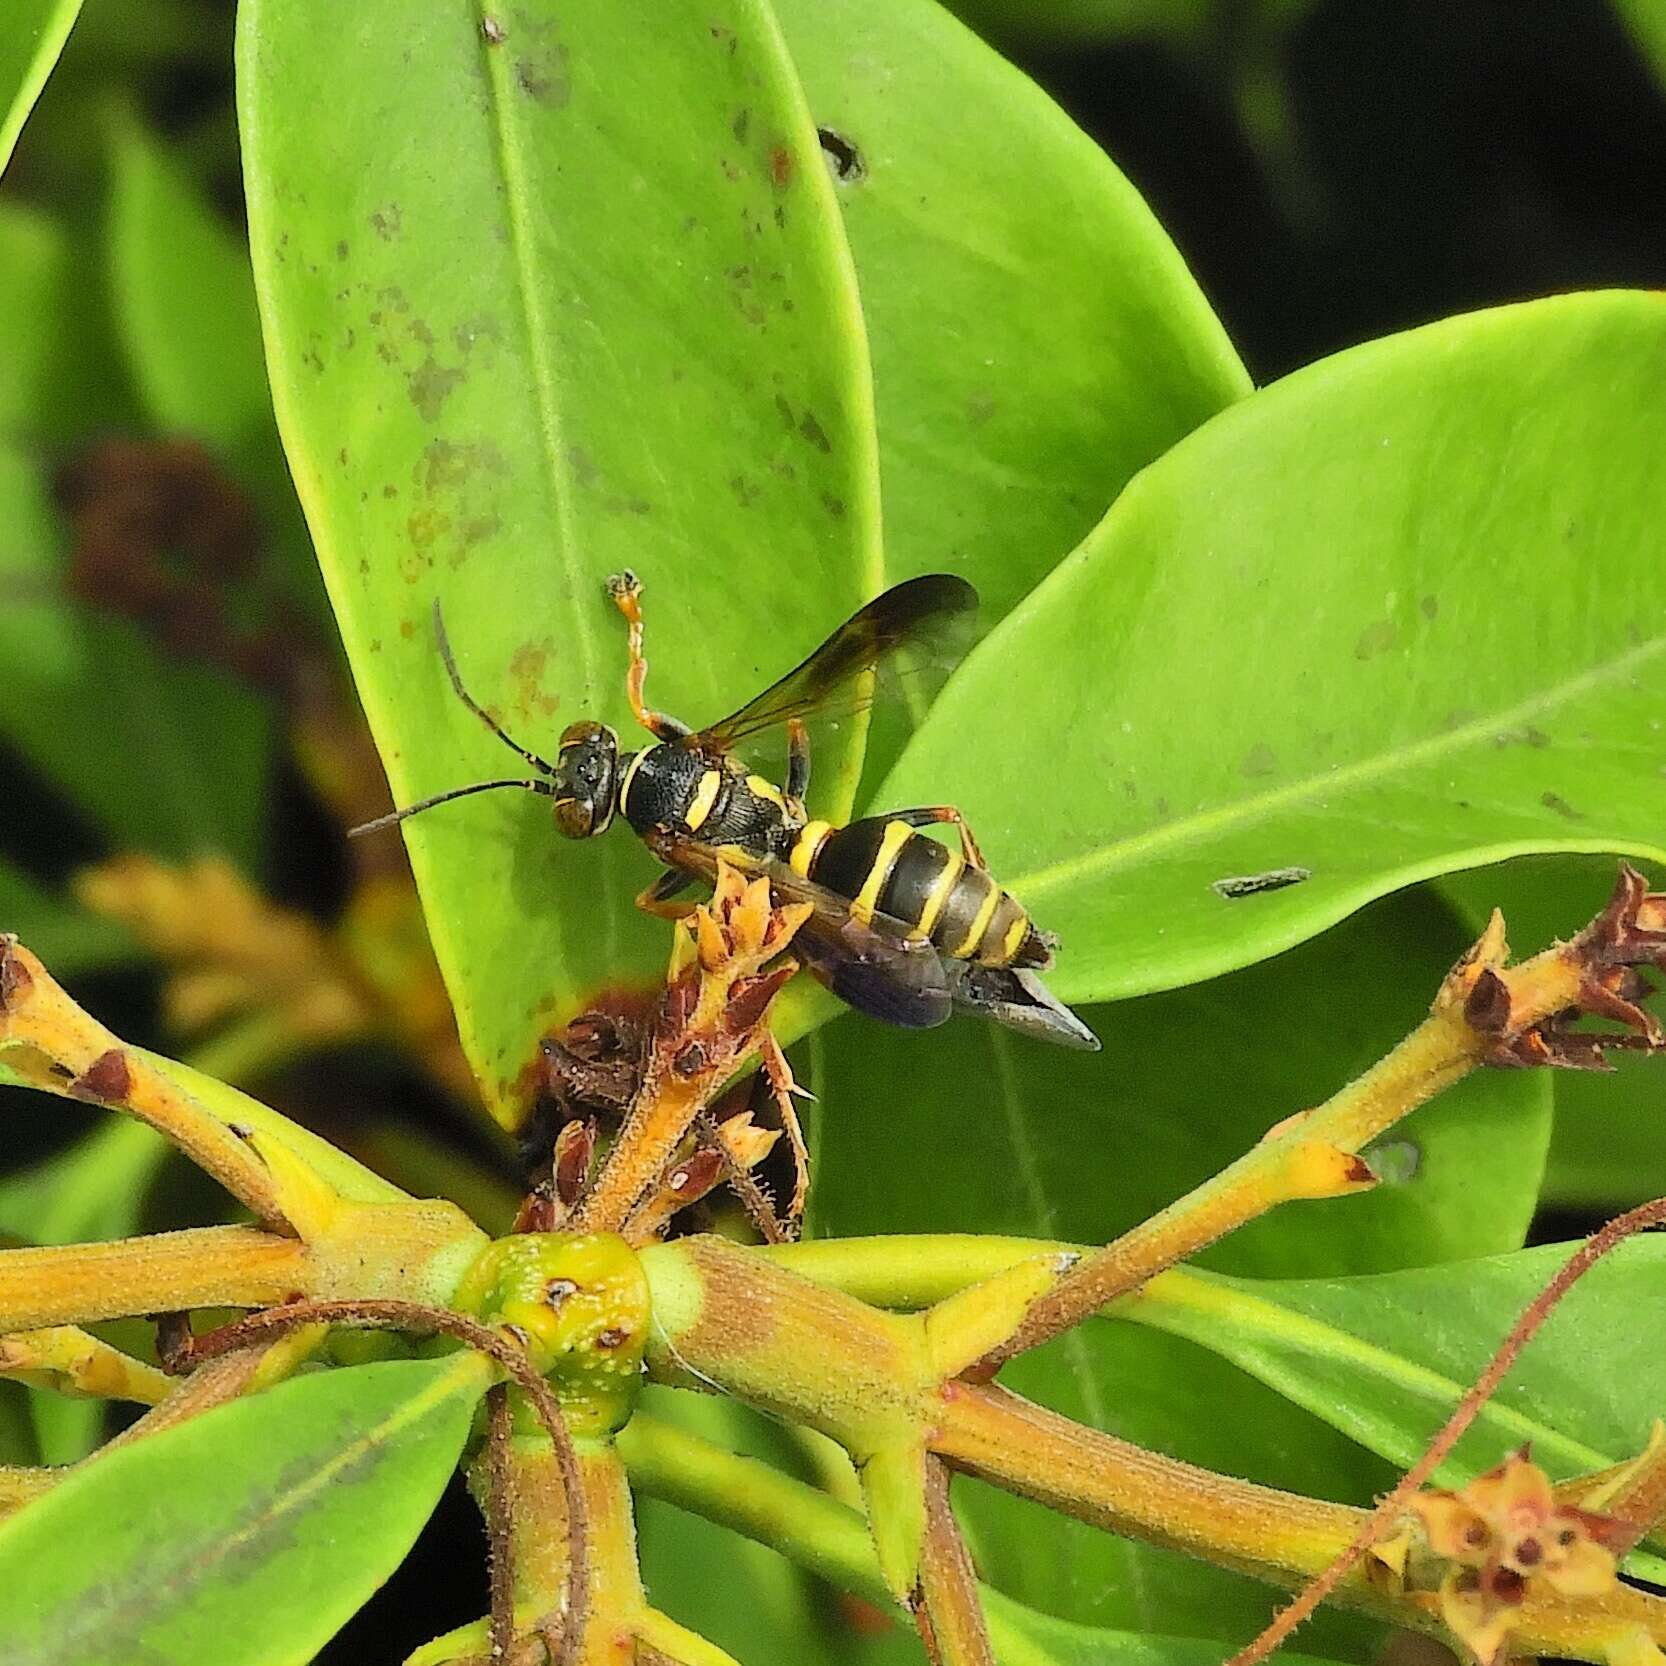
column 443, row 642
column 542, row 787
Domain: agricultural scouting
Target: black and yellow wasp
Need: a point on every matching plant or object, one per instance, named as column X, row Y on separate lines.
column 903, row 927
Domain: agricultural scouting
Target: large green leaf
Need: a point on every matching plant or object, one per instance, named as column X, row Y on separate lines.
column 617, row 327
column 1335, row 631
column 34, row 35
column 746, row 1597
column 1027, row 1638
column 246, row 1536
column 1647, row 23
column 185, row 304
column 58, row 376
column 969, row 1129
column 170, row 757
column 185, row 298
column 1386, row 1359
column 1036, row 337
column 93, row 1191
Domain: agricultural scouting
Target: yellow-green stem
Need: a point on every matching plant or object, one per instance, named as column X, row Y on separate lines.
column 214, row 1266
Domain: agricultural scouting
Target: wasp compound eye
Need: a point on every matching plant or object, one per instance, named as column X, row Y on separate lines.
column 585, row 769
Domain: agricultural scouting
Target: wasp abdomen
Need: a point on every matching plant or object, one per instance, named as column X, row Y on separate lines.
column 885, row 866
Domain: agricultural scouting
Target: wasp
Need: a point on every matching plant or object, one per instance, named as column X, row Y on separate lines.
column 903, row 927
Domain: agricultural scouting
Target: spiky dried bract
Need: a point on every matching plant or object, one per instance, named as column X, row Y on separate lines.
column 711, row 1017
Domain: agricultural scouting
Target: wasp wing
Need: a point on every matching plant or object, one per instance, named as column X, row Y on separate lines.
column 877, row 969
column 932, row 615
column 1016, row 997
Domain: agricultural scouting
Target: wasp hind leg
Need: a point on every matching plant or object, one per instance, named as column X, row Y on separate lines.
column 626, row 590
column 926, row 814
column 658, row 899
column 784, row 1087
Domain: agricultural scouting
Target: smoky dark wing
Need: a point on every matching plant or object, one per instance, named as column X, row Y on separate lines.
column 929, row 620
column 876, row 969
column 889, row 978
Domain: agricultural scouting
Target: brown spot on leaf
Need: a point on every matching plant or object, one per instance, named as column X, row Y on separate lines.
column 1556, row 802
column 1430, row 606
column 387, row 221
column 814, row 432
column 1258, row 761
column 542, row 76
column 430, row 385
column 1376, row 639
column 492, row 31
column 780, row 167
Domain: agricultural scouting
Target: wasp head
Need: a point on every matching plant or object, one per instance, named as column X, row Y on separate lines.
column 586, row 773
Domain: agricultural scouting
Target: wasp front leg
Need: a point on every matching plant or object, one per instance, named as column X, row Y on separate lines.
column 626, row 590
column 657, row 899
column 927, row 814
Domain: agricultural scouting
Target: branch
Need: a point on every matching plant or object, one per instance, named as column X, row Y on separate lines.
column 1485, row 1013
column 208, row 1266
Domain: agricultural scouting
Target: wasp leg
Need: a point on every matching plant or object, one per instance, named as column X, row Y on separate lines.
column 926, row 814
column 542, row 765
column 626, row 590
column 656, row 899
column 784, row 1087
column 798, row 763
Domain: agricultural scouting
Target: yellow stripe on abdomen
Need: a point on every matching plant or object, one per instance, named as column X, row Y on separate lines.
column 807, row 847
column 939, row 893
column 866, row 901
column 980, row 924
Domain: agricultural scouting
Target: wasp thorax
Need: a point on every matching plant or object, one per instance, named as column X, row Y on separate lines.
column 586, row 770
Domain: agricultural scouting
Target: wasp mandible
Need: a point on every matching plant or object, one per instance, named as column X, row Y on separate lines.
column 904, row 927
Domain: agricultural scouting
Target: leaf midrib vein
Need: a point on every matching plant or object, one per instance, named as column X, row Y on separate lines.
column 539, row 333
column 1122, row 852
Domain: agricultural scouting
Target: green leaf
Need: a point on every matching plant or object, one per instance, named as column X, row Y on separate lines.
column 618, row 327
column 1063, row 23
column 1330, row 632
column 34, row 35
column 744, row 1596
column 184, row 297
column 58, row 929
column 1024, row 1637
column 171, row 757
column 185, row 303
column 92, row 1192
column 58, row 376
column 978, row 1131
column 1647, row 23
column 246, row 1536
column 17, row 1429
column 1385, row 1359
column 1036, row 337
